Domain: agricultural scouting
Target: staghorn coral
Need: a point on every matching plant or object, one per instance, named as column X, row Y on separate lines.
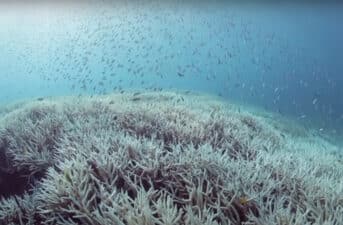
column 158, row 160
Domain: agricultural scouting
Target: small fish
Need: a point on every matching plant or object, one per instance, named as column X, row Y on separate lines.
column 180, row 74
column 302, row 116
column 314, row 101
column 136, row 99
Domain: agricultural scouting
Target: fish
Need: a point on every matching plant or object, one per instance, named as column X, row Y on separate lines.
column 180, row 74
column 136, row 99
column 237, row 85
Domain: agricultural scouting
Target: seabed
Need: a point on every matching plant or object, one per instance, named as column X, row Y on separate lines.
column 149, row 158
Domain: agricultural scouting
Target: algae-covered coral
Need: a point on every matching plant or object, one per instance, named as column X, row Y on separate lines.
column 161, row 158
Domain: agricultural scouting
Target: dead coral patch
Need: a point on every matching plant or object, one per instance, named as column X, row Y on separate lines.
column 194, row 186
column 27, row 143
column 112, row 160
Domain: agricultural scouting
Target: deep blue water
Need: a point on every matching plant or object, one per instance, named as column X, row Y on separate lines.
column 286, row 58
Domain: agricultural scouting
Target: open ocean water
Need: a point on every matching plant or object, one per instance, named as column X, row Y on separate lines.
column 277, row 60
column 285, row 58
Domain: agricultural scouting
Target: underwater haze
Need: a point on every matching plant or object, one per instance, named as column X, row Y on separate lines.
column 171, row 112
column 285, row 58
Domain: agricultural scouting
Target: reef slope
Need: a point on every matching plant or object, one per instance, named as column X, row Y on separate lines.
column 162, row 158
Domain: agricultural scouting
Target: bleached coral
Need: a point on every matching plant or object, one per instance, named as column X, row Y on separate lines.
column 163, row 158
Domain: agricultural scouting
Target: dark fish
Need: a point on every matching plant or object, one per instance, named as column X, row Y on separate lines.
column 180, row 74
column 136, row 99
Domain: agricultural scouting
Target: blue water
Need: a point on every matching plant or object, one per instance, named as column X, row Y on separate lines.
column 285, row 58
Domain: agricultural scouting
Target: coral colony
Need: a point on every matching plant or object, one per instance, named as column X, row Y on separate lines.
column 162, row 158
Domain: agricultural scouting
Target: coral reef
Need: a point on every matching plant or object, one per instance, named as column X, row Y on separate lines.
column 161, row 158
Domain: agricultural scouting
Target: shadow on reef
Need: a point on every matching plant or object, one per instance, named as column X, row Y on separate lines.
column 12, row 181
